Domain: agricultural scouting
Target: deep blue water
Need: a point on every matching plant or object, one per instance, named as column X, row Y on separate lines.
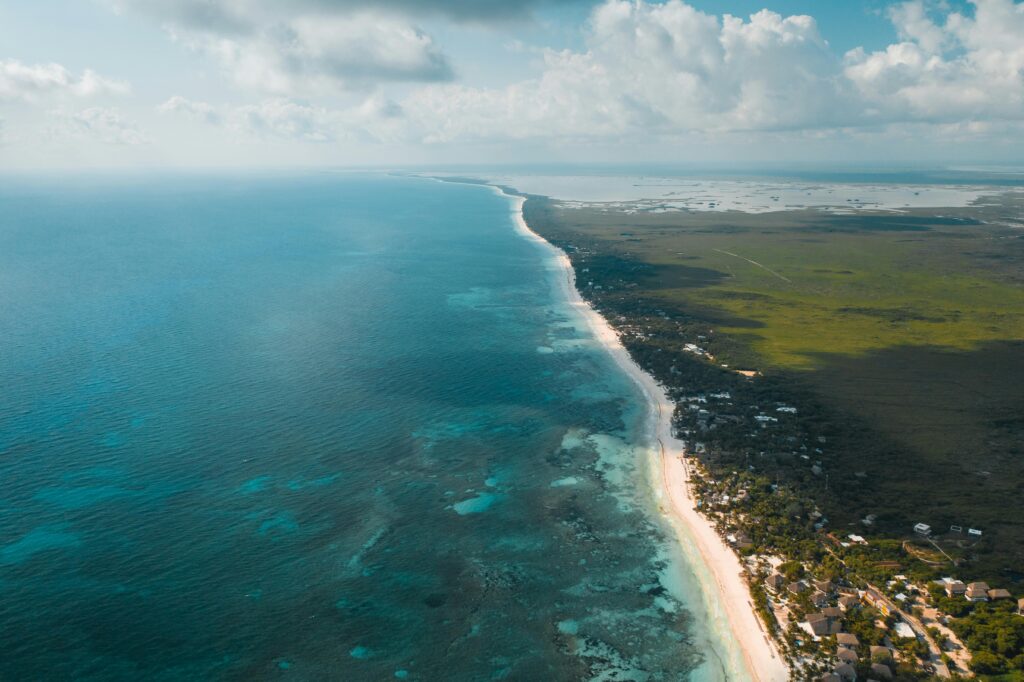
column 313, row 427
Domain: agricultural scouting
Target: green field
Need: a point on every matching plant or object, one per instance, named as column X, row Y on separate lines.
column 906, row 329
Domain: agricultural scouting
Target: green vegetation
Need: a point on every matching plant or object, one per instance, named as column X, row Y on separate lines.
column 995, row 635
column 847, row 294
column 898, row 337
column 882, row 386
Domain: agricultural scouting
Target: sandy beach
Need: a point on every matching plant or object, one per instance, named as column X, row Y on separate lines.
column 694, row 531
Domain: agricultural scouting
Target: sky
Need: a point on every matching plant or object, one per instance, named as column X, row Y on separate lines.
column 267, row 83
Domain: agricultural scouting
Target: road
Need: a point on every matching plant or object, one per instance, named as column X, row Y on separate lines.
column 934, row 652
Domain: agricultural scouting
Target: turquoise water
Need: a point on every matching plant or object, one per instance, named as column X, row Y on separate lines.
column 314, row 427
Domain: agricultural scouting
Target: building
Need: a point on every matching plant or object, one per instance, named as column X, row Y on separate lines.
column 847, row 656
column 880, row 654
column 873, row 598
column 739, row 540
column 1020, row 607
column 821, row 625
column 847, row 639
column 832, row 612
column 819, row 599
column 775, row 581
column 922, row 529
column 799, row 587
column 846, row 672
column 830, row 677
column 881, row 671
column 848, row 601
column 904, row 630
column 977, row 592
column 999, row 593
column 955, row 588
column 825, row 586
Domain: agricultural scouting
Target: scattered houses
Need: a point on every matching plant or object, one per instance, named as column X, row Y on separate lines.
column 799, row 587
column 903, row 630
column 848, row 602
column 955, row 588
column 825, row 586
column 881, row 671
column 847, row 639
column 846, row 672
column 977, row 592
column 786, row 600
column 820, row 625
column 999, row 593
column 876, row 600
column 880, row 654
column 739, row 540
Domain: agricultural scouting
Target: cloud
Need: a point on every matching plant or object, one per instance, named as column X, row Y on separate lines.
column 285, row 119
column 647, row 70
column 307, row 47
column 29, row 82
column 241, row 16
column 669, row 69
column 375, row 119
column 964, row 69
column 320, row 55
column 200, row 111
column 650, row 67
column 913, row 23
column 96, row 123
column 310, row 55
column 459, row 10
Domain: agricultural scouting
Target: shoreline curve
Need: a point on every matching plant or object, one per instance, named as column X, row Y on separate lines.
column 760, row 654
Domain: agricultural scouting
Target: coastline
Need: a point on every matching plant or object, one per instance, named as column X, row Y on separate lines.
column 693, row 531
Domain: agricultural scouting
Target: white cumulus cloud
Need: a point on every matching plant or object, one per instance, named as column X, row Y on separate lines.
column 652, row 67
column 200, row 111
column 963, row 68
column 29, row 82
column 305, row 47
column 321, row 55
column 669, row 68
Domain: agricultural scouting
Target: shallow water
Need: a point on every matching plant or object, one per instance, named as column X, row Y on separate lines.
column 316, row 427
column 658, row 194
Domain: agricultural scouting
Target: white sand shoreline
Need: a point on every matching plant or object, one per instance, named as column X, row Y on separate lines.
column 761, row 657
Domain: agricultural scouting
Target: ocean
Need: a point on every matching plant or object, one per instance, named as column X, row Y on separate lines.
column 318, row 426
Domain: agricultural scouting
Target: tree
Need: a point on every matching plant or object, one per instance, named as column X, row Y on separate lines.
column 986, row 663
